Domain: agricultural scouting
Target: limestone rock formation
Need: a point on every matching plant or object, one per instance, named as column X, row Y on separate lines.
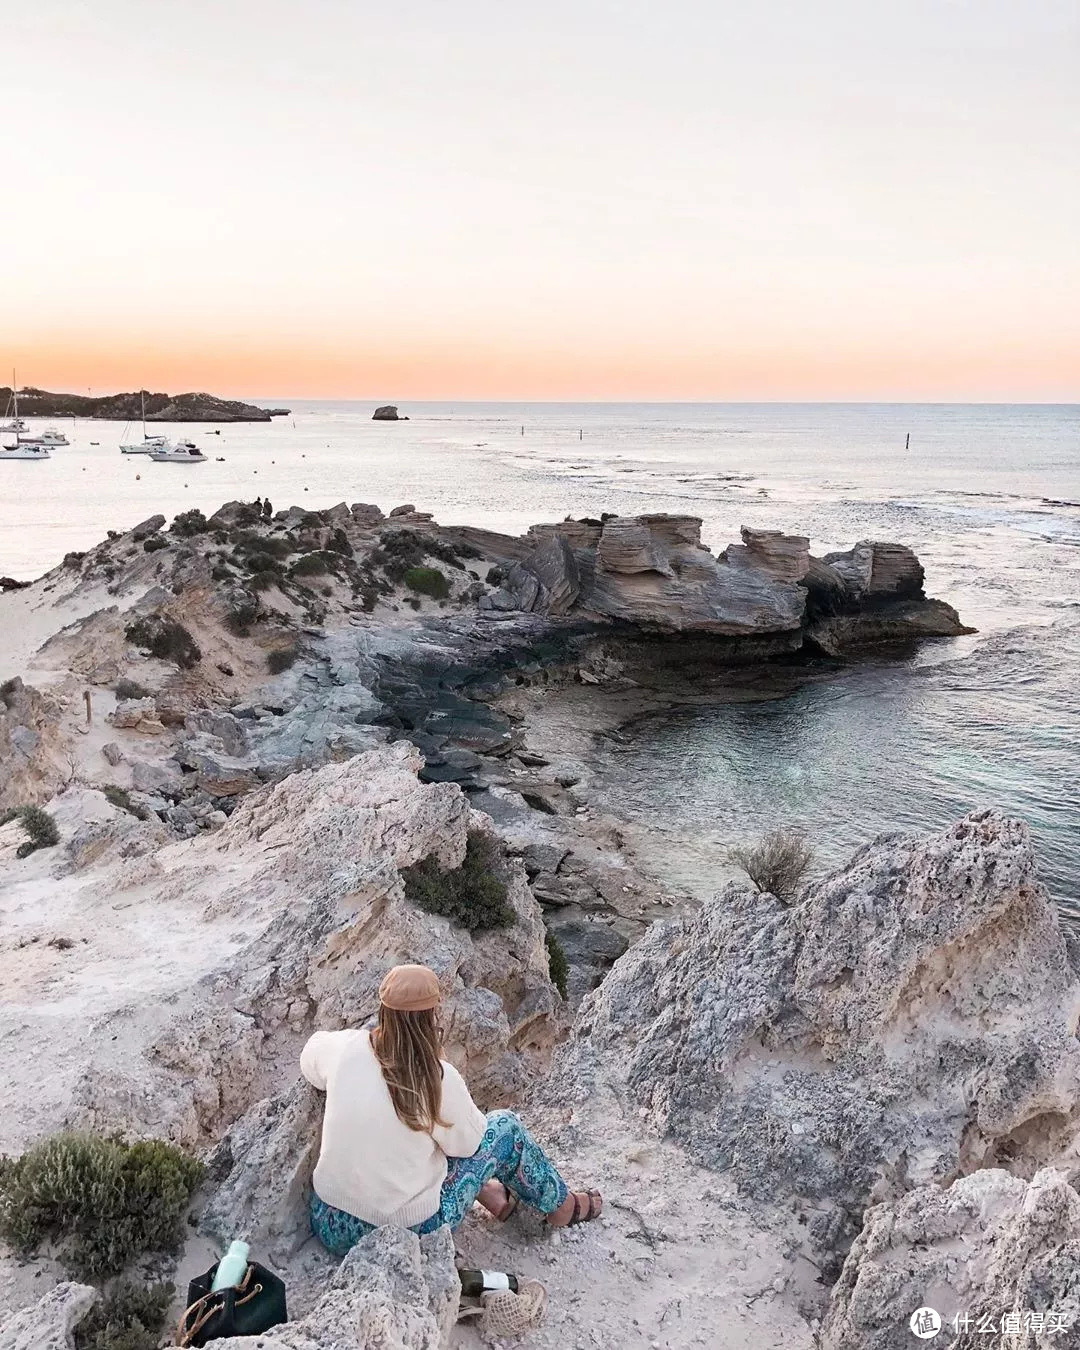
column 991, row 1254
column 653, row 572
column 394, row 1291
column 49, row 1323
column 910, row 1019
column 197, row 969
column 387, row 412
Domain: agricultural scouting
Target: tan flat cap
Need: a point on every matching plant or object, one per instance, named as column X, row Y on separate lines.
column 410, row 989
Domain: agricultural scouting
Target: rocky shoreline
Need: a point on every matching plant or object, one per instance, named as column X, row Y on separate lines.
column 814, row 1115
column 128, row 407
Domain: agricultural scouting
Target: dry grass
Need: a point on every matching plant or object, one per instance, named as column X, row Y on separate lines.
column 776, row 863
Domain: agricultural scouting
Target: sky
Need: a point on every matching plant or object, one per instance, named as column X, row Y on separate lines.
column 814, row 199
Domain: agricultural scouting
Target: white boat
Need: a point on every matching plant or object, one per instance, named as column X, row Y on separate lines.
column 12, row 421
column 148, row 444
column 183, row 452
column 50, row 436
column 29, row 448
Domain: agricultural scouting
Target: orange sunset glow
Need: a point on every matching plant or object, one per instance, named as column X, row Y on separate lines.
column 595, row 202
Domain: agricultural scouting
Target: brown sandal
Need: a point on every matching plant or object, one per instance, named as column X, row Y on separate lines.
column 583, row 1214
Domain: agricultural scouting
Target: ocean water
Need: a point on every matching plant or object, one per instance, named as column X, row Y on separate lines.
column 989, row 496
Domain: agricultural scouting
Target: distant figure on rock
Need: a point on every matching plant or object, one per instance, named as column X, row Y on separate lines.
column 403, row 1143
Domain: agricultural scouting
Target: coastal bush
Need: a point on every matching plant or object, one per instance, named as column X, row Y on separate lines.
column 281, row 658
column 38, row 825
column 154, row 543
column 339, row 543
column 558, row 967
column 8, row 690
column 119, row 797
column 130, row 689
column 240, row 616
column 427, row 581
column 246, row 542
column 473, row 895
column 776, row 863
column 189, row 523
column 128, row 1317
column 164, row 638
column 101, row 1201
column 315, row 564
column 263, row 580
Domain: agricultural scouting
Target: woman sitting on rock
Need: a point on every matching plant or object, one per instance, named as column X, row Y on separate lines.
column 403, row 1142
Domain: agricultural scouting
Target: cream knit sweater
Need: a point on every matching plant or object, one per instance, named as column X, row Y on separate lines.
column 371, row 1164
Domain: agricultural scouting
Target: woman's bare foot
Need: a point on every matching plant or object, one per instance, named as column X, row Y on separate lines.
column 578, row 1207
column 497, row 1200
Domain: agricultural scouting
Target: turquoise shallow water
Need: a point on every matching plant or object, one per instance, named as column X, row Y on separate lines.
column 988, row 495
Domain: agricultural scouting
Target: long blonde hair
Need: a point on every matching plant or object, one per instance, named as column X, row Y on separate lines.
column 407, row 1046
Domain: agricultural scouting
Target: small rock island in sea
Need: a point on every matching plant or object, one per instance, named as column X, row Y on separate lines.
column 387, row 413
column 126, row 407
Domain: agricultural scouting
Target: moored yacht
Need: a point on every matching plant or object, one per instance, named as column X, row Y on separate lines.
column 28, row 447
column 182, row 452
column 50, row 436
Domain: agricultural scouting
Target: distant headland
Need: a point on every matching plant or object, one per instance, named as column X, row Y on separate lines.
column 123, row 407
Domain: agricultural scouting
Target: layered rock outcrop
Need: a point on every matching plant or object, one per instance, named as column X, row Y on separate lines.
column 910, row 1020
column 193, row 972
column 653, row 572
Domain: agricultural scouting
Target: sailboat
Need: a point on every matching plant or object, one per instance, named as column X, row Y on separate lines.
column 16, row 423
column 24, row 447
column 148, row 443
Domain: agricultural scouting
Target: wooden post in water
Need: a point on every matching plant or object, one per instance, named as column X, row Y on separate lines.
column 907, row 443
column 579, row 433
column 523, row 431
column 89, row 708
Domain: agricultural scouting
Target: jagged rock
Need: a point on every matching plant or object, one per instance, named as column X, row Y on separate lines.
column 364, row 514
column 907, row 621
column 263, row 1168
column 136, row 714
column 283, row 919
column 226, row 728
column 990, row 1246
column 910, row 1018
column 387, row 412
column 48, row 1324
column 112, row 753
column 28, row 728
column 218, row 774
column 877, row 571
column 394, row 1291
column 147, row 528
column 543, row 857
column 784, row 556
column 156, row 777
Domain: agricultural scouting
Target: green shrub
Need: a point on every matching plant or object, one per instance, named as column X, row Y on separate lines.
column 262, row 581
column 101, row 1201
column 558, row 968
column 189, row 523
column 247, row 542
column 129, row 1317
column 281, row 658
column 315, row 564
column 240, row 616
column 154, row 543
column 8, row 690
column 339, row 543
column 39, row 826
column 119, row 798
column 473, row 895
column 164, row 638
column 427, row 581
column 130, row 689
column 776, row 863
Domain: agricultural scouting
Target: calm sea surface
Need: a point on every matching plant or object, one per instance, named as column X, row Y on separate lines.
column 989, row 496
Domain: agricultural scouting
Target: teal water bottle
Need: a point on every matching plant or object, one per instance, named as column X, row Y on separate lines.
column 231, row 1267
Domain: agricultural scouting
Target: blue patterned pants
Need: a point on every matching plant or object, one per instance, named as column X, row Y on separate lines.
column 507, row 1151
